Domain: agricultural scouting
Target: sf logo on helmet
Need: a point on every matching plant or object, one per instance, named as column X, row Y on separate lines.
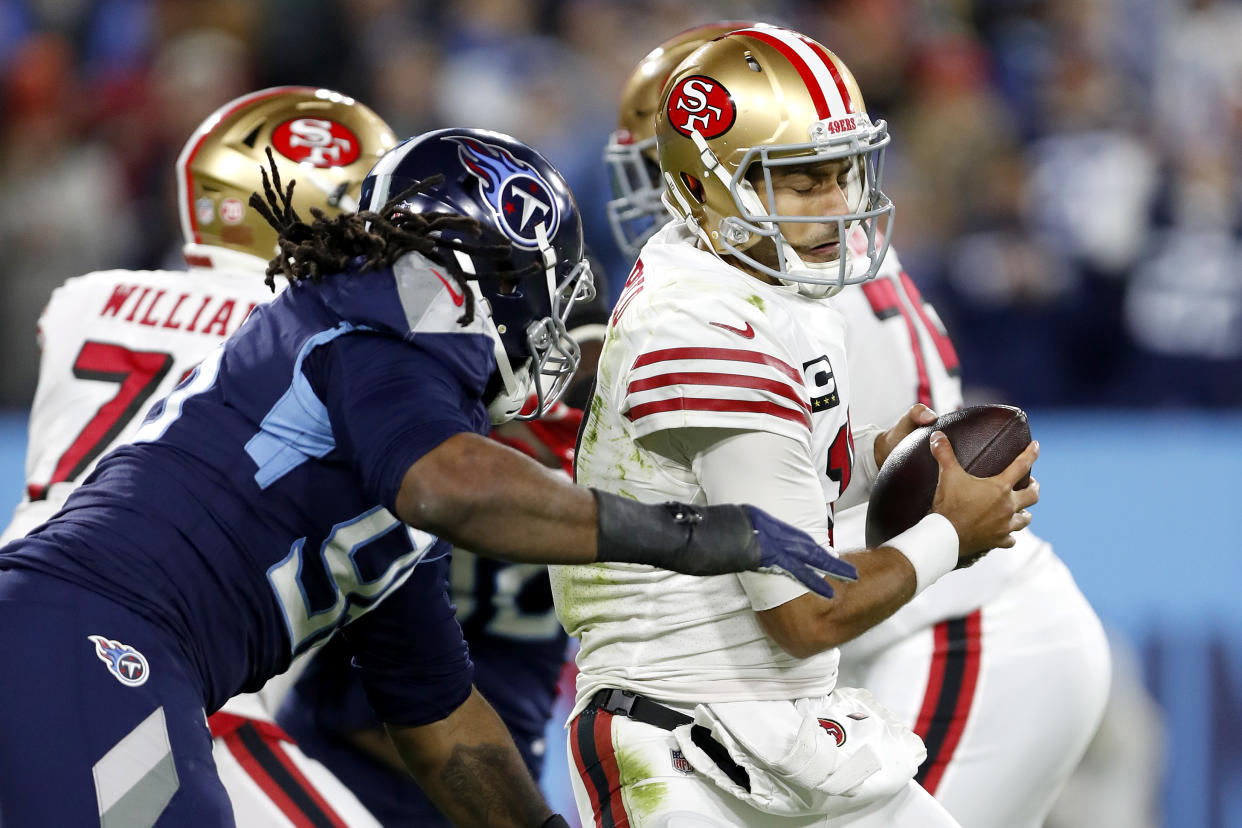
column 515, row 193
column 701, row 104
column 317, row 141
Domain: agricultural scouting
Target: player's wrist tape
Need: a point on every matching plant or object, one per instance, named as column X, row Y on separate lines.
column 931, row 545
column 696, row 540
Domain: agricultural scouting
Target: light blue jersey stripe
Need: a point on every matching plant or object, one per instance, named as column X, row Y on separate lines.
column 297, row 427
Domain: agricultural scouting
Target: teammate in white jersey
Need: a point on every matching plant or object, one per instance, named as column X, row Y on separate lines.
column 1001, row 669
column 113, row 342
column 724, row 379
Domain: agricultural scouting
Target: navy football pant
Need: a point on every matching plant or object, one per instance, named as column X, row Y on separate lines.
column 107, row 731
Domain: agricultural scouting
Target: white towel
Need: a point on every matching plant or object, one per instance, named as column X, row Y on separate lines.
column 820, row 756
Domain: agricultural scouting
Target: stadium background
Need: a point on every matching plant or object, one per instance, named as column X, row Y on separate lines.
column 1068, row 181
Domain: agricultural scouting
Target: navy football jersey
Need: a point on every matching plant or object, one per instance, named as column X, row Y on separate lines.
column 253, row 514
column 516, row 643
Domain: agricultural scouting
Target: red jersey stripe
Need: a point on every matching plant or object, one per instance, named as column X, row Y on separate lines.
column 885, row 303
column 728, row 406
column 730, row 380
column 727, row 354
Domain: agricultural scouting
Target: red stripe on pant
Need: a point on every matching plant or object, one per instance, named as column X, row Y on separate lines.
column 263, row 759
column 222, row 724
column 951, row 683
column 596, row 762
column 310, row 789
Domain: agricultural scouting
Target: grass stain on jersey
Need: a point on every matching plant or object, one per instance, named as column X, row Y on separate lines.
column 757, row 301
column 640, row 799
column 590, row 437
column 636, row 460
column 575, row 594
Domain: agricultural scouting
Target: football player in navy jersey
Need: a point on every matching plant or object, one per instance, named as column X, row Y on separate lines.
column 516, row 644
column 260, row 507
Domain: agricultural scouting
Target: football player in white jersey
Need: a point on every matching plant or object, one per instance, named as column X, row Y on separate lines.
column 1002, row 669
column 115, row 341
column 724, row 378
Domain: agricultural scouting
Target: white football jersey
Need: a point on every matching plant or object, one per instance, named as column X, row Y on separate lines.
column 694, row 343
column 114, row 342
column 900, row 354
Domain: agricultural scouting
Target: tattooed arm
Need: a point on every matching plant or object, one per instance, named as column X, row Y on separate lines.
column 468, row 765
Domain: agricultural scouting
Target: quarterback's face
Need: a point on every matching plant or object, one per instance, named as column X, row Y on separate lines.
column 821, row 189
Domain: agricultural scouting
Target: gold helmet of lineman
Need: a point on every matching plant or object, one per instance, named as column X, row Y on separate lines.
column 325, row 141
column 757, row 100
column 636, row 212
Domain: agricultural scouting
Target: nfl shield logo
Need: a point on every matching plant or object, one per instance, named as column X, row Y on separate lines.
column 680, row 764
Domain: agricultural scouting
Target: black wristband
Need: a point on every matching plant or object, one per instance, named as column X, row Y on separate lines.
column 696, row 540
column 555, row 821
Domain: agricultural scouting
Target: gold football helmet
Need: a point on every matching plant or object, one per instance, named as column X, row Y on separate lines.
column 636, row 212
column 324, row 140
column 757, row 100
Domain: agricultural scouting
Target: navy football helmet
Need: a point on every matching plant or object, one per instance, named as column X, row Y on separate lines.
column 520, row 199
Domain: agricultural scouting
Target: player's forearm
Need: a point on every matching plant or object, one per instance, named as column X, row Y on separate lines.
column 885, row 583
column 374, row 742
column 468, row 765
column 496, row 502
column 809, row 625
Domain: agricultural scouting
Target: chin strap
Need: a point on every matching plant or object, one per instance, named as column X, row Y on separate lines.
column 508, row 402
column 549, row 259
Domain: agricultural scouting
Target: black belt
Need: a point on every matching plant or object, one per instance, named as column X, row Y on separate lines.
column 642, row 709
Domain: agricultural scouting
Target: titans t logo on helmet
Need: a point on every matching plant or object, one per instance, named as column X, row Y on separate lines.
column 516, row 194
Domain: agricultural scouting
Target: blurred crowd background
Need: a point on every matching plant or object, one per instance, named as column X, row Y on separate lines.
column 1066, row 172
column 1068, row 182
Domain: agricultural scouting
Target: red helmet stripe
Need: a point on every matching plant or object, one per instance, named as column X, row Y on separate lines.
column 803, row 68
column 822, row 54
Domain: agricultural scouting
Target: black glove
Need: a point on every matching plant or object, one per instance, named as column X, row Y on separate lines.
column 712, row 540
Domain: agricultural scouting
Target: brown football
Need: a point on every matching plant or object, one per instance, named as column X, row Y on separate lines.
column 985, row 438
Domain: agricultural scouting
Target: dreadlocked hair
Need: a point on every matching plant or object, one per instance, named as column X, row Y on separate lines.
column 335, row 244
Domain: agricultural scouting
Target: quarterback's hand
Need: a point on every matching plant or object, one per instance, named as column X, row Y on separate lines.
column 783, row 547
column 918, row 415
column 985, row 511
